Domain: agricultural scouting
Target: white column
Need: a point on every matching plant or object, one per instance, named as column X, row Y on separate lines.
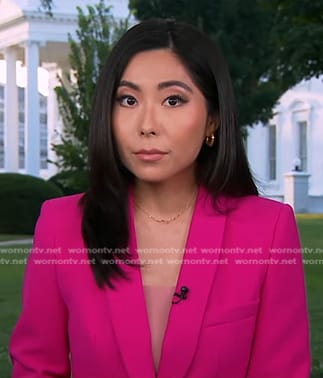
column 11, row 126
column 54, row 122
column 32, row 127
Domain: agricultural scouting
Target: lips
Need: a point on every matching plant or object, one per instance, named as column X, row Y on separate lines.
column 150, row 155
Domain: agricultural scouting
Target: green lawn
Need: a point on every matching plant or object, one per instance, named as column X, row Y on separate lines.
column 311, row 228
column 10, row 291
column 5, row 237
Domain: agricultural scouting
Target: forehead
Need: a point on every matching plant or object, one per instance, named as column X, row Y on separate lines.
column 156, row 65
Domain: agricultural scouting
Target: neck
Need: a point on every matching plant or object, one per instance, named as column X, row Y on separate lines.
column 164, row 200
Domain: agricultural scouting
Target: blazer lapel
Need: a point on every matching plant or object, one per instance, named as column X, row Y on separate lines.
column 185, row 318
column 128, row 306
column 129, row 316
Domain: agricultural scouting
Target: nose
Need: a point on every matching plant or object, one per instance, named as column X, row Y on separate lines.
column 147, row 132
column 149, row 122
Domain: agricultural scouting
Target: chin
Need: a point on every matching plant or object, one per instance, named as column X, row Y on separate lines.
column 153, row 179
column 151, row 174
column 155, row 175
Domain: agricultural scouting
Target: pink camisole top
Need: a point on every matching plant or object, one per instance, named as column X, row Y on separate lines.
column 158, row 302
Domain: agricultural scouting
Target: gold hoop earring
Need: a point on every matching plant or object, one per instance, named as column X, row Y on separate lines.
column 209, row 140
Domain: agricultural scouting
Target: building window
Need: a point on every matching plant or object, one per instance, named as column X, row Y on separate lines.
column 1, row 127
column 21, row 127
column 21, row 146
column 272, row 152
column 302, row 144
column 43, row 132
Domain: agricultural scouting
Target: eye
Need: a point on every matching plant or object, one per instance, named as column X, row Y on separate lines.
column 175, row 100
column 126, row 100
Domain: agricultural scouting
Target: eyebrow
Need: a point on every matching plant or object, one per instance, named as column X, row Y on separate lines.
column 162, row 85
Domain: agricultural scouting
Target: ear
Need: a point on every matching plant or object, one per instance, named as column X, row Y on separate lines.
column 211, row 125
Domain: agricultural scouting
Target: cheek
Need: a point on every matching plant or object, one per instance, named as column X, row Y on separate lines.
column 193, row 118
column 188, row 146
column 192, row 133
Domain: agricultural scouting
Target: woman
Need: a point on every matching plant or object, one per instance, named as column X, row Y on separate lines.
column 170, row 265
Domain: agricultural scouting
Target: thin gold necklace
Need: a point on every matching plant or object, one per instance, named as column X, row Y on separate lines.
column 171, row 219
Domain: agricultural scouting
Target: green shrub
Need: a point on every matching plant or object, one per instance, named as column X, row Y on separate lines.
column 70, row 182
column 21, row 197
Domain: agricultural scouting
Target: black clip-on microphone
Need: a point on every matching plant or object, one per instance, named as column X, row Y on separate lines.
column 182, row 295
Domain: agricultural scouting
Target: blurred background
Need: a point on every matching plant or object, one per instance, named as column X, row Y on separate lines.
column 50, row 55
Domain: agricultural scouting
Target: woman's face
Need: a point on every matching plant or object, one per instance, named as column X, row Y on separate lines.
column 160, row 118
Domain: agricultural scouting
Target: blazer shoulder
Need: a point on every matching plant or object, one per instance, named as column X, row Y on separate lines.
column 266, row 203
column 61, row 207
column 259, row 208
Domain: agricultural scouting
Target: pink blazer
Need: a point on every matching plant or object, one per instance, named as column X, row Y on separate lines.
column 245, row 315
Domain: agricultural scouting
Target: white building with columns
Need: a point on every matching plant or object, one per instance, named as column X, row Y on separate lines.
column 286, row 155
column 33, row 51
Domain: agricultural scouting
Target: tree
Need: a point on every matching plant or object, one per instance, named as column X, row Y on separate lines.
column 96, row 34
column 298, row 26
column 270, row 45
column 241, row 29
column 298, row 36
column 47, row 6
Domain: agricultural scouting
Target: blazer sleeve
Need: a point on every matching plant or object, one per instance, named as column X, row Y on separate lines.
column 281, row 347
column 39, row 342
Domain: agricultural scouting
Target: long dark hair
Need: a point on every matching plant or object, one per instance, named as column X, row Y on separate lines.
column 222, row 169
